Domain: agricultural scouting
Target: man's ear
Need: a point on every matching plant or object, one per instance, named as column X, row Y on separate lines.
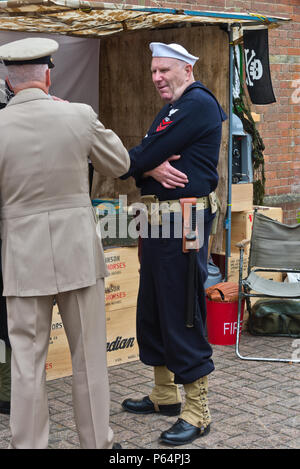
column 188, row 70
column 48, row 78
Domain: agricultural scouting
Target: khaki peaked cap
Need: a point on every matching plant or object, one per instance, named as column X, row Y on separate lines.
column 29, row 51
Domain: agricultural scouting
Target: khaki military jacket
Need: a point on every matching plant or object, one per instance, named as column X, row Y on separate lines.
column 49, row 240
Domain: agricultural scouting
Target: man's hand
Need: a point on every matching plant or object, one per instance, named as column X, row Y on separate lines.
column 55, row 98
column 168, row 176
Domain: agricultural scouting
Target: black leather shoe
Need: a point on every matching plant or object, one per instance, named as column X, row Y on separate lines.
column 182, row 433
column 117, row 446
column 5, row 407
column 146, row 406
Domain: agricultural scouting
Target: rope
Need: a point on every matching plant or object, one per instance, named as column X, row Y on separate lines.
column 243, row 111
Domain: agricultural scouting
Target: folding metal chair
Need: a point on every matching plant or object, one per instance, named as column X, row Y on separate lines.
column 274, row 247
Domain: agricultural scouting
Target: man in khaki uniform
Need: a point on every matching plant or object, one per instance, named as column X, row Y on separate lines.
column 50, row 249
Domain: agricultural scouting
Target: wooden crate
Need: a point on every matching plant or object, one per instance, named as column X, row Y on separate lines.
column 272, row 212
column 241, row 197
column 241, row 227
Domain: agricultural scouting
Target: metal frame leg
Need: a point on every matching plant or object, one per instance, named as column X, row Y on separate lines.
column 242, row 357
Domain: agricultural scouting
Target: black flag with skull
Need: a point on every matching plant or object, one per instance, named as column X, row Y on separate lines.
column 258, row 77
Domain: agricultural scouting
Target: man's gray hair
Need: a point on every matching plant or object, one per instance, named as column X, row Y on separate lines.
column 22, row 74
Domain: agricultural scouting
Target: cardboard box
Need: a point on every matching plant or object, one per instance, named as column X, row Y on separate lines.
column 241, row 197
column 122, row 262
column 121, row 290
column 121, row 287
column 122, row 345
column 234, row 266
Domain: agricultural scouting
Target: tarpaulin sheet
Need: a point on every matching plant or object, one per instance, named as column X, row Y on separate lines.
column 82, row 18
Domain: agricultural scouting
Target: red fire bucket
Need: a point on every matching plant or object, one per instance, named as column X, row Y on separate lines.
column 221, row 322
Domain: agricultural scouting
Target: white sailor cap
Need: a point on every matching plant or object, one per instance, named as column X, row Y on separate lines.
column 174, row 51
column 35, row 50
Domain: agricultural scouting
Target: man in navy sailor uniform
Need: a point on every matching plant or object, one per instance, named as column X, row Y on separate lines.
column 176, row 159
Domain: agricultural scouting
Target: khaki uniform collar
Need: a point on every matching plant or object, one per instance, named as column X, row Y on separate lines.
column 29, row 94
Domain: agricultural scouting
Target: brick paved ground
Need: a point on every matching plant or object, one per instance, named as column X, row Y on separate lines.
column 253, row 404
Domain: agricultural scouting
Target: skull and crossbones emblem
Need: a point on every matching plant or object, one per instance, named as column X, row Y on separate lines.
column 254, row 68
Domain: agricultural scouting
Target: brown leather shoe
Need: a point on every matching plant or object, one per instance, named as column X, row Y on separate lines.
column 116, row 446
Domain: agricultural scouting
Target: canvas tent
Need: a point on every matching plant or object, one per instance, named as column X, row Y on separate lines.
column 122, row 92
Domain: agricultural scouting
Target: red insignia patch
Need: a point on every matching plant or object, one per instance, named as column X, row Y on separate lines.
column 163, row 125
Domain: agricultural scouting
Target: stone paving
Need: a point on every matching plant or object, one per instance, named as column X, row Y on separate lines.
column 254, row 405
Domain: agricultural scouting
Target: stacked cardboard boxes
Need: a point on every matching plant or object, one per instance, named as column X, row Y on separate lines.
column 121, row 289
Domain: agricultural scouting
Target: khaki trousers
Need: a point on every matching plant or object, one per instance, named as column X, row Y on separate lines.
column 29, row 324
